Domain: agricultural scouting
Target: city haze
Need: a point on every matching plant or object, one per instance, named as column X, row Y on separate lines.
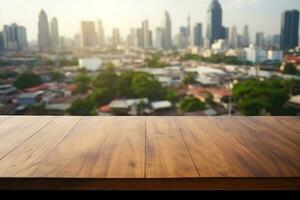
column 126, row 14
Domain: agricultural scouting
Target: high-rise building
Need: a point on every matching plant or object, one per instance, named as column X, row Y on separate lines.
column 276, row 40
column 100, row 33
column 146, row 34
column 54, row 32
column 233, row 38
column 116, row 38
column 240, row 40
column 189, row 31
column 159, row 32
column 215, row 29
column 289, row 29
column 197, row 35
column 140, row 41
column 88, row 34
column 1, row 41
column 132, row 37
column 184, row 36
column 77, row 40
column 246, row 36
column 14, row 37
column 184, row 31
column 167, row 36
column 44, row 39
column 260, row 40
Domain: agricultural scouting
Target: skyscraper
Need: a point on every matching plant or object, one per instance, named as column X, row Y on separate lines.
column 116, row 38
column 100, row 33
column 184, row 36
column 88, row 34
column 44, row 40
column 14, row 37
column 140, row 42
column 197, row 35
column 260, row 40
column 215, row 29
column 233, row 37
column 289, row 29
column 132, row 37
column 54, row 32
column 189, row 26
column 146, row 34
column 159, row 32
column 1, row 41
column 246, row 36
column 276, row 40
column 167, row 36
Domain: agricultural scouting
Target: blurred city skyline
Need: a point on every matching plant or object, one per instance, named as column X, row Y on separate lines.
column 128, row 14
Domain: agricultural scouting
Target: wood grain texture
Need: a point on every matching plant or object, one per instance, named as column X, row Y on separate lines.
column 166, row 153
column 150, row 152
column 3, row 118
column 15, row 130
column 24, row 159
column 225, row 147
column 101, row 147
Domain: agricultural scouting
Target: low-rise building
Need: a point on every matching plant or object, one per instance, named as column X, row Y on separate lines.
column 275, row 55
column 7, row 93
column 220, row 46
column 255, row 55
column 27, row 99
column 90, row 64
column 57, row 109
column 161, row 107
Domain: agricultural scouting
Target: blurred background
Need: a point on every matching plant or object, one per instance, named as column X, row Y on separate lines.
column 158, row 57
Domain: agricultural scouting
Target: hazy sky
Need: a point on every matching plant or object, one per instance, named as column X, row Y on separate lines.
column 260, row 15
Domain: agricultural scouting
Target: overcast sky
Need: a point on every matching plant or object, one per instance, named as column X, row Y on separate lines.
column 260, row 15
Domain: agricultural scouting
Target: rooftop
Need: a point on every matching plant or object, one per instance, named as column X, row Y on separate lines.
column 149, row 152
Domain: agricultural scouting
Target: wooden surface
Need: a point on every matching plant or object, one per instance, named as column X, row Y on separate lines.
column 149, row 152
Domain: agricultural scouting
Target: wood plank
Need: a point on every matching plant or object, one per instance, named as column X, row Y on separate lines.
column 166, row 153
column 282, row 143
column 15, row 130
column 3, row 118
column 292, row 123
column 24, row 159
column 224, row 147
column 99, row 147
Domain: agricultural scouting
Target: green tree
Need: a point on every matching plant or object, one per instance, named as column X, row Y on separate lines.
column 146, row 86
column 83, row 82
column 191, row 104
column 123, row 85
column 37, row 109
column 254, row 97
column 171, row 95
column 102, row 96
column 27, row 80
column 57, row 76
column 5, row 75
column 290, row 69
column 107, row 78
column 83, row 107
column 153, row 61
column 190, row 78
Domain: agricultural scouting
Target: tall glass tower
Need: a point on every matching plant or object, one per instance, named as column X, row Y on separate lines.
column 289, row 29
column 44, row 39
column 167, row 36
column 215, row 29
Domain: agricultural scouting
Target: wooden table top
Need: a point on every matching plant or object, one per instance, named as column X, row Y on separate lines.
column 149, row 152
